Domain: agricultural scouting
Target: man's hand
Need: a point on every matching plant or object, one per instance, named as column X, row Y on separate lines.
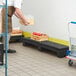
column 18, row 13
column 24, row 22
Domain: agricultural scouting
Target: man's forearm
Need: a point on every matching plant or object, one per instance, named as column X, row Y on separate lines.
column 20, row 15
column 16, row 15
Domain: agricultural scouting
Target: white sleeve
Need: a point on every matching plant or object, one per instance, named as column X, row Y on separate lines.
column 17, row 3
column 2, row 2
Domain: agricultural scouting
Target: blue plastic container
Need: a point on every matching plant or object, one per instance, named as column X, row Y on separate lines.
column 68, row 52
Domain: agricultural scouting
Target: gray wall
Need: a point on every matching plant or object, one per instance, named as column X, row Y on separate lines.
column 51, row 16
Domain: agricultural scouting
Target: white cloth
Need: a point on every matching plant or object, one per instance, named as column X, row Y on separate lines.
column 15, row 3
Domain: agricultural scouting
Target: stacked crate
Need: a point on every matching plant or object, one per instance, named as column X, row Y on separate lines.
column 39, row 36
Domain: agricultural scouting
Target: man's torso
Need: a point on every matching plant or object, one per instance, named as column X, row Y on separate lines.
column 15, row 3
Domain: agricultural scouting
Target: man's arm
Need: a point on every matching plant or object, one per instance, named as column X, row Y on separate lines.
column 18, row 13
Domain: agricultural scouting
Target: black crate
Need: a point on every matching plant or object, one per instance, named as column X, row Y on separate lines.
column 48, row 45
column 56, row 47
column 1, row 54
column 16, row 38
column 28, row 41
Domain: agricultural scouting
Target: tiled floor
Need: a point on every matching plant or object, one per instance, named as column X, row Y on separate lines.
column 31, row 62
